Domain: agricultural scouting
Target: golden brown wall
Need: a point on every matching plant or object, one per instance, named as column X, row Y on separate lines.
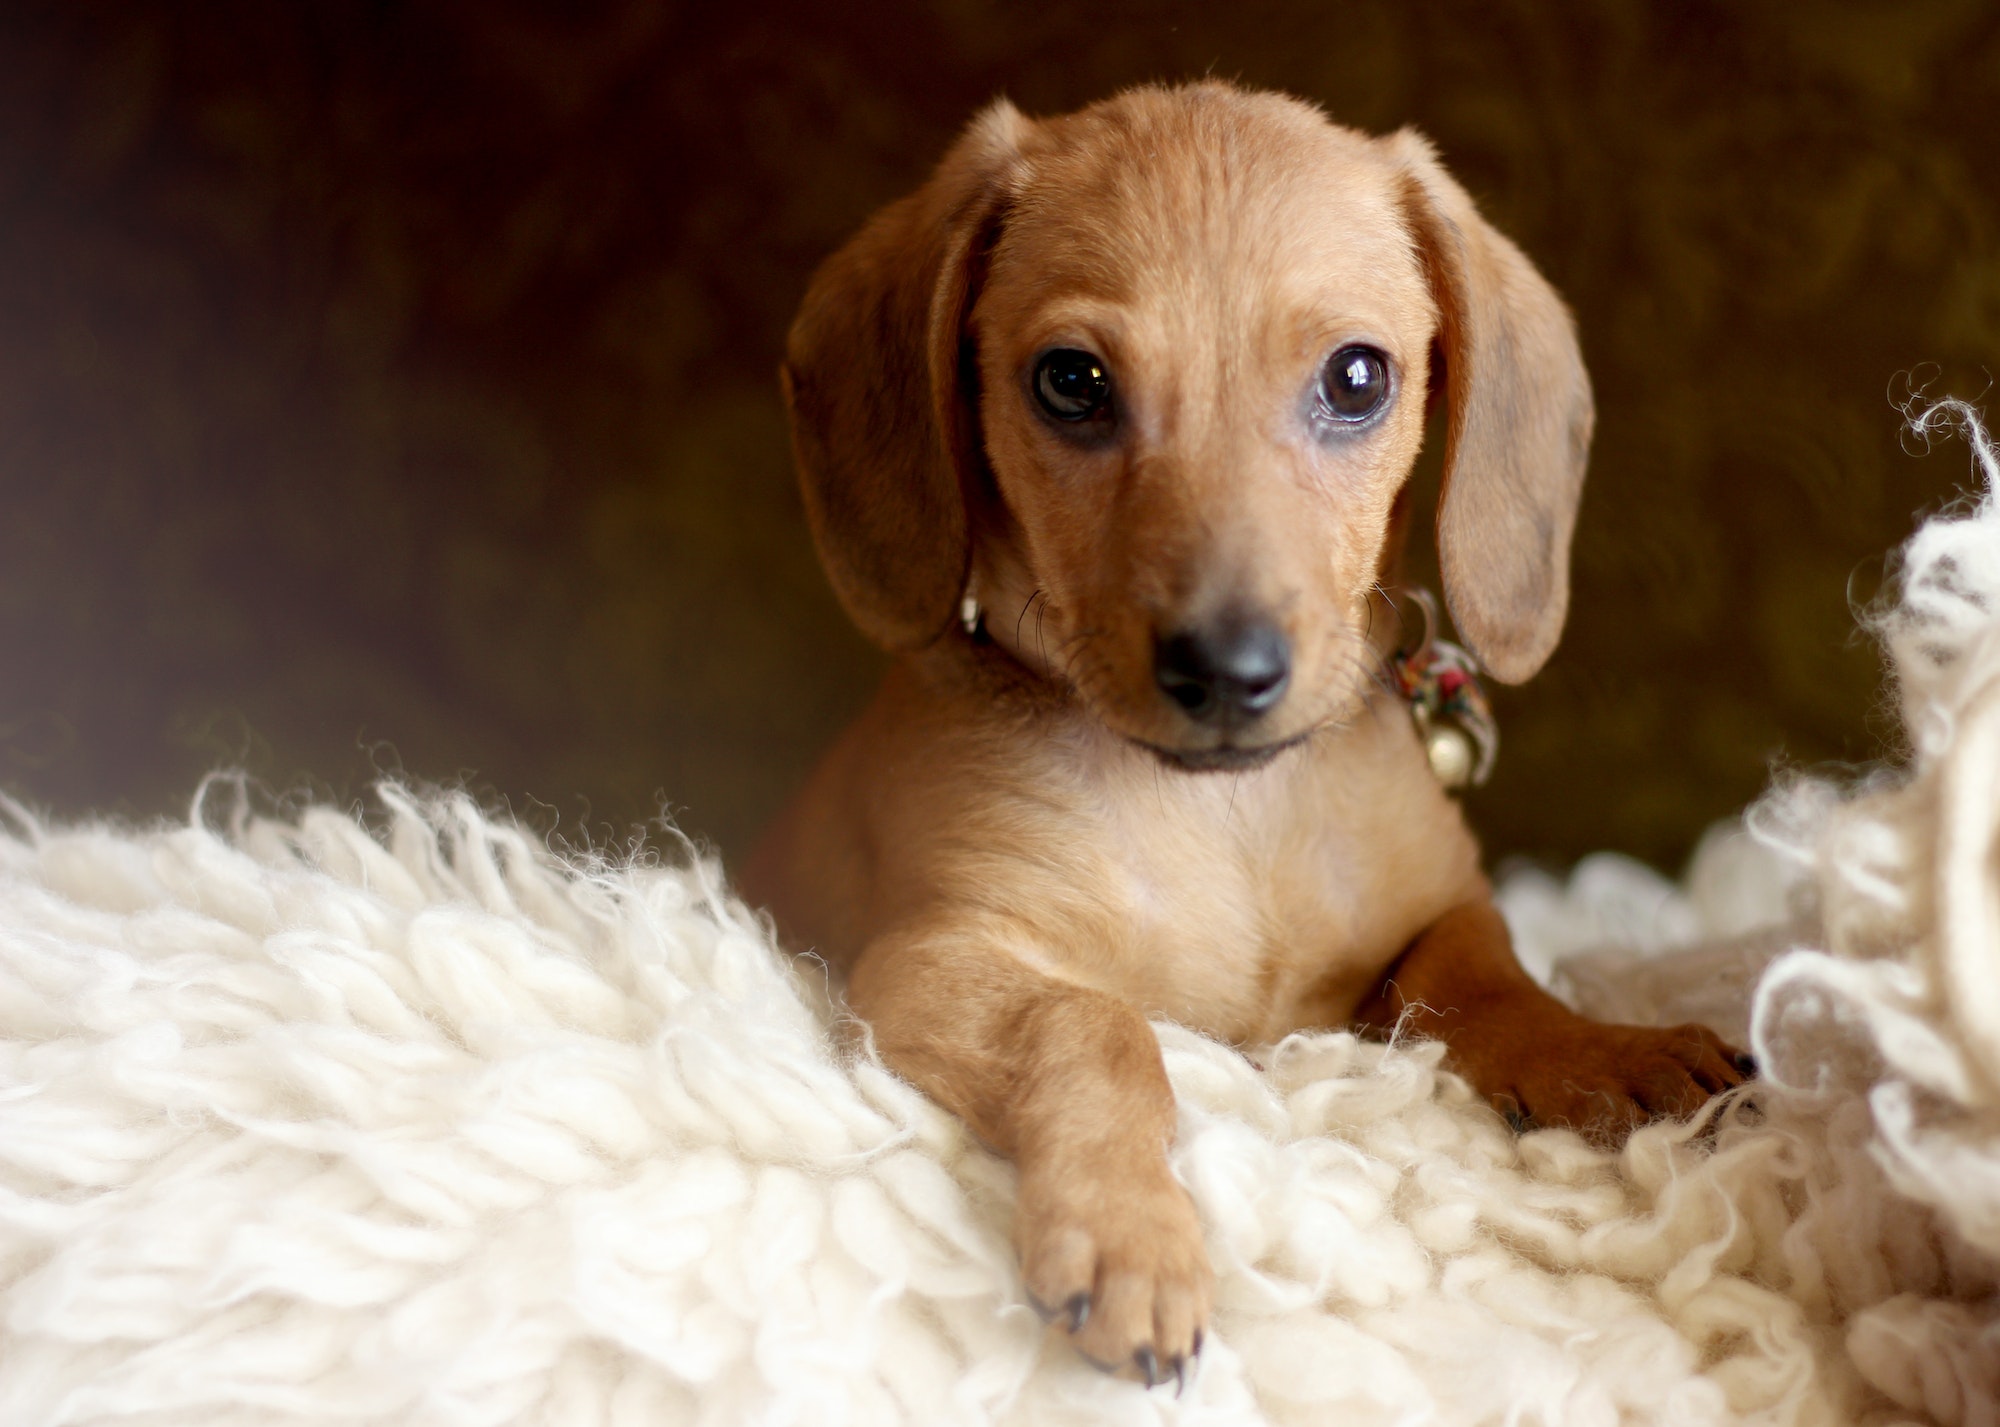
column 390, row 385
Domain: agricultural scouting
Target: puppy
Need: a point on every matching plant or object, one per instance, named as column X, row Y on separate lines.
column 1105, row 433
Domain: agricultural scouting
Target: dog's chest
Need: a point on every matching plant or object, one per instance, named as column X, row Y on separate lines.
column 1259, row 903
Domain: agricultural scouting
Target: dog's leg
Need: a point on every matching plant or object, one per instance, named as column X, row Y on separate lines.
column 1537, row 1061
column 1067, row 1082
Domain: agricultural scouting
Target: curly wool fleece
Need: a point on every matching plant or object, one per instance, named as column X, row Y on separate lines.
column 301, row 1122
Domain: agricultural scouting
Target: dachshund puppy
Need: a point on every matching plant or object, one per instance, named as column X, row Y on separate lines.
column 1104, row 432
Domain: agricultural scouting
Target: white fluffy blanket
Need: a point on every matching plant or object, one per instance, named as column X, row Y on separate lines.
column 312, row 1121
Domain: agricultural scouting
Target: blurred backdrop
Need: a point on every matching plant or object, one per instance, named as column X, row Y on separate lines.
column 389, row 387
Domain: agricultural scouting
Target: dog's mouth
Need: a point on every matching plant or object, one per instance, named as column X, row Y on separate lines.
column 1227, row 758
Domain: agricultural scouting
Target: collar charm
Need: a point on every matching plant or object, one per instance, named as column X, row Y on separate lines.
column 1440, row 681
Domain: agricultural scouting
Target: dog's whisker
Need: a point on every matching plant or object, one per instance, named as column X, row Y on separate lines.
column 1075, row 651
column 1019, row 618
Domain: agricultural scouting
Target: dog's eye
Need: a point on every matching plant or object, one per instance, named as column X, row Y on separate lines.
column 1355, row 384
column 1071, row 385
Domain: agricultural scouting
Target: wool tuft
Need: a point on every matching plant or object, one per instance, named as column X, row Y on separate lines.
column 322, row 1119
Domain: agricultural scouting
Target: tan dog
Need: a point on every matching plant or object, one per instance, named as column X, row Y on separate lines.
column 1148, row 381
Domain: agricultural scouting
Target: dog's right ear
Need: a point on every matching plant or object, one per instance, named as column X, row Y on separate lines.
column 882, row 431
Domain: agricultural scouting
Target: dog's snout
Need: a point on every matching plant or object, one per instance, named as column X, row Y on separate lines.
column 1230, row 671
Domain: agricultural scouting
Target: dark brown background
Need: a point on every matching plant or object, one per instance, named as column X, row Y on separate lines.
column 390, row 386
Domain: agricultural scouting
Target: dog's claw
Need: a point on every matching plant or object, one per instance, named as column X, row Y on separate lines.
column 1148, row 1365
column 1180, row 1375
column 1078, row 1309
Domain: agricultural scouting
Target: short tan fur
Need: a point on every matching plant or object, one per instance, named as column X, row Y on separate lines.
column 1039, row 834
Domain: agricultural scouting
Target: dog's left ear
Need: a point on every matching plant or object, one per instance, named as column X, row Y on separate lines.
column 1518, row 423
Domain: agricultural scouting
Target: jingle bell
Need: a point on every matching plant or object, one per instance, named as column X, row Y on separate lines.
column 1451, row 755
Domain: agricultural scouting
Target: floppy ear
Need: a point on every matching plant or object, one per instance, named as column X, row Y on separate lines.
column 1518, row 422
column 882, row 432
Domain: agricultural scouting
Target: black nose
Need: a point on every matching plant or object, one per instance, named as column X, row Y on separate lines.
column 1231, row 671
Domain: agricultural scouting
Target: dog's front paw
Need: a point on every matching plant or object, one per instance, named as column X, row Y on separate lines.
column 1558, row 1069
column 1114, row 1254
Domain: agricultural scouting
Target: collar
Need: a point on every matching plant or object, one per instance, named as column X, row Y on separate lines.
column 1440, row 682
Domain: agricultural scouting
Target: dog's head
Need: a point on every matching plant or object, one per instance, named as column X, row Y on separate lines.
column 1155, row 374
